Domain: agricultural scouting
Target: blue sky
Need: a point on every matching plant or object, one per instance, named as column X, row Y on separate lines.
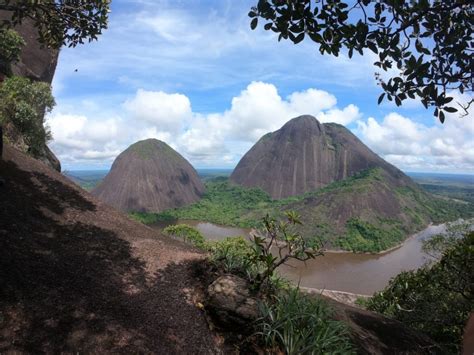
column 193, row 74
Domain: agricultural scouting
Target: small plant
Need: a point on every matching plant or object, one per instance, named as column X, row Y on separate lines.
column 278, row 244
column 234, row 255
column 187, row 234
column 300, row 324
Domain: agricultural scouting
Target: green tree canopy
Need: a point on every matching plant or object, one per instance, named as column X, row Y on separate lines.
column 22, row 105
column 10, row 50
column 60, row 22
column 429, row 42
column 435, row 299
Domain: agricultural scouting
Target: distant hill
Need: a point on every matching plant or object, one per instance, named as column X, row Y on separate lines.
column 149, row 176
column 305, row 155
column 345, row 193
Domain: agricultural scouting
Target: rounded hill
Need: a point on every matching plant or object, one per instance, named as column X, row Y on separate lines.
column 305, row 155
column 150, row 176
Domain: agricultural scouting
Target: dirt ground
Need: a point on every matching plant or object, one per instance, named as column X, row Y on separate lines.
column 78, row 276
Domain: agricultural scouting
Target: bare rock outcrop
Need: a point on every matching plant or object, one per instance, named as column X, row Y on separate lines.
column 305, row 155
column 150, row 176
column 230, row 302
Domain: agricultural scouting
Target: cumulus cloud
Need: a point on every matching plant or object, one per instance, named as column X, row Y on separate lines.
column 221, row 138
column 259, row 109
column 206, row 139
column 414, row 146
column 166, row 111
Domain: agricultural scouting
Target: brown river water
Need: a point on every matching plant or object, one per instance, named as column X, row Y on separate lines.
column 341, row 271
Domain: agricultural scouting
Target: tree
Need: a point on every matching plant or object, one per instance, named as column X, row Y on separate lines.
column 278, row 243
column 10, row 50
column 22, row 106
column 436, row 299
column 429, row 42
column 60, row 22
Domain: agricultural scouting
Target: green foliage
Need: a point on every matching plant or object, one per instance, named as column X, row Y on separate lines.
column 429, row 42
column 439, row 210
column 61, row 22
column 10, row 49
column 151, row 218
column 235, row 255
column 23, row 104
column 436, row 300
column 438, row 244
column 362, row 236
column 187, row 234
column 232, row 205
column 224, row 203
column 259, row 258
column 299, row 324
column 279, row 235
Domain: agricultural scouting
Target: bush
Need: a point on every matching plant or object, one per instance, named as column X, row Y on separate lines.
column 280, row 236
column 187, row 234
column 10, row 49
column 436, row 300
column 23, row 104
column 234, row 255
column 299, row 324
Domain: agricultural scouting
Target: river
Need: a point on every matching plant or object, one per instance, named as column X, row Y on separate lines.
column 349, row 272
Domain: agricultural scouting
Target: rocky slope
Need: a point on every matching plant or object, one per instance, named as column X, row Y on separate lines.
column 305, row 155
column 36, row 63
column 77, row 276
column 149, row 176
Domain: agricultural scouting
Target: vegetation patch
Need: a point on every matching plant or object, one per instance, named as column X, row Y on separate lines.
column 436, row 299
column 362, row 236
column 299, row 324
column 228, row 204
column 23, row 104
column 290, row 322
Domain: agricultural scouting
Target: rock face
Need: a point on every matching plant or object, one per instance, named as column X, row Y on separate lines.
column 149, row 176
column 230, row 302
column 305, row 155
column 36, row 63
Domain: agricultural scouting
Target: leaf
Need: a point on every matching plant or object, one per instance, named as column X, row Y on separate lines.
column 380, row 98
column 299, row 38
column 441, row 116
column 450, row 109
column 254, row 23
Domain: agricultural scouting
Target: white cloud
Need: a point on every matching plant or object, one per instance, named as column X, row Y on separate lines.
column 166, row 111
column 345, row 116
column 206, row 139
column 221, row 138
column 259, row 109
column 414, row 146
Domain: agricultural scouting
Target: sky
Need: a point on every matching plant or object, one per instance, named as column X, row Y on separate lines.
column 193, row 74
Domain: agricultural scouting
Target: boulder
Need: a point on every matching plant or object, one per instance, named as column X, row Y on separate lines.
column 230, row 302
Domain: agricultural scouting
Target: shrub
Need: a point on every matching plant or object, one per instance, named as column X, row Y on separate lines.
column 299, row 324
column 436, row 300
column 10, row 49
column 187, row 234
column 280, row 237
column 234, row 255
column 23, row 104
